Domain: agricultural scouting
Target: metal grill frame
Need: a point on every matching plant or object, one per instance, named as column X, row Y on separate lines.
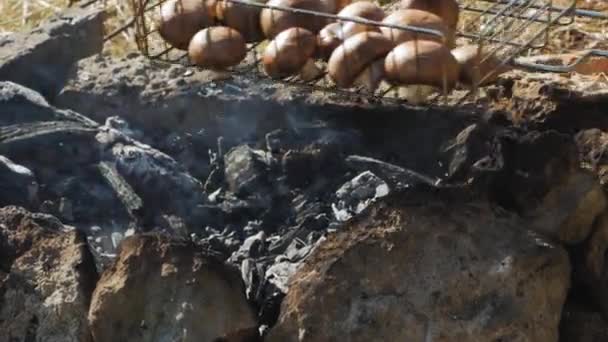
column 508, row 18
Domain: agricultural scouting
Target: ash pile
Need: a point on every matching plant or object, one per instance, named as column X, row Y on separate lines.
column 155, row 203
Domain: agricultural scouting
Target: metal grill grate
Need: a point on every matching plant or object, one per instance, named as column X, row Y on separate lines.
column 504, row 29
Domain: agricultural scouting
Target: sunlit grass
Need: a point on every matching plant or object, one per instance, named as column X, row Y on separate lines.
column 24, row 15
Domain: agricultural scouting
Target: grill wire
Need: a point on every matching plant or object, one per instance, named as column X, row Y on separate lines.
column 503, row 29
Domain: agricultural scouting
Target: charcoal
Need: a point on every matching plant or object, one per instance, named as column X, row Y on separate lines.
column 300, row 232
column 253, row 247
column 18, row 185
column 307, row 206
column 215, row 179
column 279, row 140
column 190, row 150
column 161, row 182
column 270, row 297
column 279, row 273
column 207, row 215
column 253, row 275
column 129, row 199
column 243, row 210
column 470, row 145
column 298, row 250
column 395, row 176
column 93, row 198
column 354, row 196
column 246, row 170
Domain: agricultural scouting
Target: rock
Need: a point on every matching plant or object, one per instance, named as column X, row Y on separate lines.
column 583, row 325
column 20, row 229
column 355, row 195
column 18, row 184
column 161, row 289
column 58, row 145
column 20, row 105
column 537, row 174
column 46, row 294
column 176, row 98
column 452, row 270
column 468, row 147
column 245, row 170
column 570, row 208
column 591, row 261
column 592, row 144
column 42, row 59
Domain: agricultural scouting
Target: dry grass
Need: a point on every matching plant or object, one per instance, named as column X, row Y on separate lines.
column 20, row 15
column 24, row 15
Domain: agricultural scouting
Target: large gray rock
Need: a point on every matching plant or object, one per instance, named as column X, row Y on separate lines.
column 42, row 58
column 428, row 267
column 21, row 105
column 161, row 289
column 45, row 295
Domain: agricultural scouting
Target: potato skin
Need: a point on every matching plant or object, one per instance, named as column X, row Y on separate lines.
column 468, row 57
column 355, row 54
column 274, row 22
column 245, row 19
column 417, row 18
column 332, row 35
column 180, row 20
column 335, row 6
column 288, row 52
column 363, row 9
column 448, row 10
column 421, row 62
column 217, row 47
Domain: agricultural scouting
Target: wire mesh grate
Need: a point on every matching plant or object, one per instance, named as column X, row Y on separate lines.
column 503, row 29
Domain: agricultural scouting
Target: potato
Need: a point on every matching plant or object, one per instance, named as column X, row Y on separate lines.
column 274, row 22
column 335, row 6
column 217, row 47
column 421, row 62
column 287, row 54
column 448, row 10
column 468, row 58
column 355, row 54
column 180, row 20
column 418, row 18
column 243, row 18
column 332, row 35
column 363, row 9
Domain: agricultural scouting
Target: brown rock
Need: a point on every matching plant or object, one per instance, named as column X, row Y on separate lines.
column 46, row 295
column 160, row 289
column 433, row 270
column 592, row 144
column 19, row 230
column 581, row 325
column 591, row 268
column 568, row 210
